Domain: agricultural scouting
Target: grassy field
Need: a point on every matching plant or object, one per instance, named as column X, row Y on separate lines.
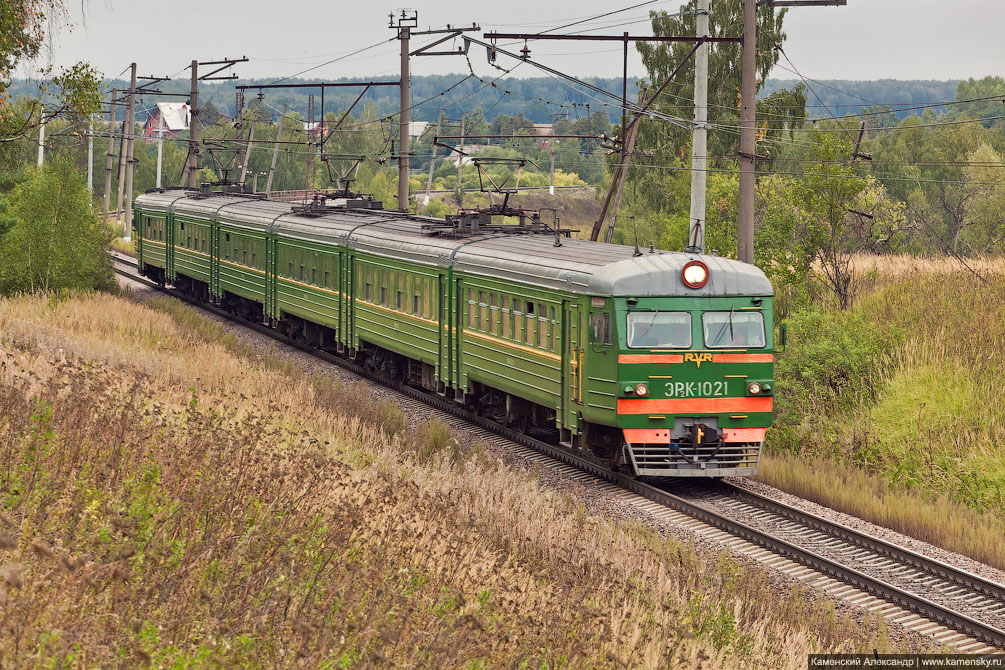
column 903, row 422
column 169, row 498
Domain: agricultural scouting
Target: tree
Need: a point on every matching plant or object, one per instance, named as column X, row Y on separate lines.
column 987, row 94
column 57, row 242
column 76, row 89
column 724, row 65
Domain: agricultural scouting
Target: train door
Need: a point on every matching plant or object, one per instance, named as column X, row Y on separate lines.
column 444, row 370
column 139, row 228
column 271, row 314
column 572, row 365
column 169, row 229
column 338, row 258
column 347, row 287
column 214, row 262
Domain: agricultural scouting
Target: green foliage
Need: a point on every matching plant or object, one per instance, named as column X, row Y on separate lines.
column 22, row 31
column 831, row 362
column 79, row 91
column 988, row 93
column 57, row 243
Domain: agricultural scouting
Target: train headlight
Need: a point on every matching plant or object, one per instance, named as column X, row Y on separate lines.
column 694, row 274
column 641, row 390
column 753, row 388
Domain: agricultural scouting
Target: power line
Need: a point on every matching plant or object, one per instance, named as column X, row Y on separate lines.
column 335, row 60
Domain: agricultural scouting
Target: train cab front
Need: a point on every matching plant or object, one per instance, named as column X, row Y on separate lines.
column 695, row 384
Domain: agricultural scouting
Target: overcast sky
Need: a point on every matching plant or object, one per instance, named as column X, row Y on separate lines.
column 867, row 39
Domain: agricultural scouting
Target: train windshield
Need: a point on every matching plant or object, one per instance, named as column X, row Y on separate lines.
column 659, row 330
column 732, row 329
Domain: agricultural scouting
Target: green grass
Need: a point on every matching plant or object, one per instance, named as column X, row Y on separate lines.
column 919, row 412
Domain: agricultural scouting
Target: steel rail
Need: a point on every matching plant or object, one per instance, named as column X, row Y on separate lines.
column 893, row 594
column 875, row 544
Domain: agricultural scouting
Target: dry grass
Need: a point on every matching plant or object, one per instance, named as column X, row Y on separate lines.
column 937, row 520
column 170, row 502
column 930, row 445
column 902, row 265
column 123, row 246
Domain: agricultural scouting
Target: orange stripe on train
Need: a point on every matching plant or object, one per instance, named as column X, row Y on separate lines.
column 650, row 358
column 743, row 358
column 693, row 405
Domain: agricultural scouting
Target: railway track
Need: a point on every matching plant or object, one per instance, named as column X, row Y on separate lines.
column 956, row 608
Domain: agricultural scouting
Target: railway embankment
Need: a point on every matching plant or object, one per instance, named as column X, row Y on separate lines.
column 172, row 496
column 891, row 411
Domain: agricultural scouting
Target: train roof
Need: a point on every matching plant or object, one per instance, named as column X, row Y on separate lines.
column 577, row 266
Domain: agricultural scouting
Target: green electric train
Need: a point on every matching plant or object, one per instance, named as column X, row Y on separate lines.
column 658, row 362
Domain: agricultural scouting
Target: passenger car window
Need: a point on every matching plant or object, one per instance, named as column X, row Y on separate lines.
column 659, row 330
column 744, row 330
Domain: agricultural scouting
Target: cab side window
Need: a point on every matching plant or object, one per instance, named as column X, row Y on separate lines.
column 600, row 328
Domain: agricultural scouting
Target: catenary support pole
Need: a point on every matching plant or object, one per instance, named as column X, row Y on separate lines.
column 109, row 156
column 748, row 86
column 403, row 139
column 432, row 161
column 699, row 135
column 130, row 133
column 247, row 149
column 275, row 154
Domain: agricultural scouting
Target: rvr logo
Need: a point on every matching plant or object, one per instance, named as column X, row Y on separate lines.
column 698, row 359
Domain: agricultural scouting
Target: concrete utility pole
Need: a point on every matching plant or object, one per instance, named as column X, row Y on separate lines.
column 131, row 116
column 460, row 165
column 699, row 136
column 160, row 148
column 109, row 156
column 275, row 154
column 192, row 162
column 122, row 161
column 554, row 120
column 404, row 32
column 247, row 149
column 432, row 161
column 748, row 92
column 90, row 154
column 41, row 141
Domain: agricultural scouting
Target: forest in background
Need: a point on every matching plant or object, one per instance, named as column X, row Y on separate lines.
column 528, row 96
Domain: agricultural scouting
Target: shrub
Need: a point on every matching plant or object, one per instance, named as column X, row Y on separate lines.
column 831, row 363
